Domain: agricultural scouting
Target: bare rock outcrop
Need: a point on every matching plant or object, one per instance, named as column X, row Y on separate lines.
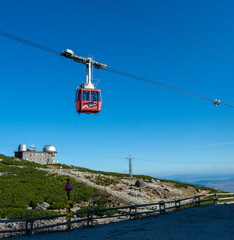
column 140, row 183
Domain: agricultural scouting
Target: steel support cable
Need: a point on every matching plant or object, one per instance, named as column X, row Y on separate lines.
column 160, row 84
column 8, row 35
column 162, row 28
column 227, row 103
column 164, row 85
column 146, row 160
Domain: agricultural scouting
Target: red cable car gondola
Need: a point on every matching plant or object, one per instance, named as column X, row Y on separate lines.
column 88, row 101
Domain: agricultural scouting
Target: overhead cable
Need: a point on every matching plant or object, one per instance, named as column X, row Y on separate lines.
column 185, row 162
column 19, row 39
column 164, row 85
column 146, row 160
column 160, row 84
column 227, row 103
column 162, row 28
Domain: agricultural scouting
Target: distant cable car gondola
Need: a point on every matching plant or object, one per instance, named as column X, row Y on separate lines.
column 88, row 99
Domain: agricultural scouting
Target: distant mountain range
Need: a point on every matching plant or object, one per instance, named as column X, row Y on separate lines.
column 223, row 182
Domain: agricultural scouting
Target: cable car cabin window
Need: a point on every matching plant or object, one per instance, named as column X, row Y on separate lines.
column 86, row 96
column 94, row 96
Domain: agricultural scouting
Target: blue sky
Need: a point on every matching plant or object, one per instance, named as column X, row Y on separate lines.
column 167, row 132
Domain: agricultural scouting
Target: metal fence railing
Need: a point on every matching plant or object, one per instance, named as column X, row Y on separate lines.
column 10, row 227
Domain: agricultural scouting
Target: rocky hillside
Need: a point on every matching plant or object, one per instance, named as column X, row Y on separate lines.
column 136, row 190
column 29, row 189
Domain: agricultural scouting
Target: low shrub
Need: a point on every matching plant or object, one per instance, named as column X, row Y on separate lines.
column 15, row 213
column 97, row 213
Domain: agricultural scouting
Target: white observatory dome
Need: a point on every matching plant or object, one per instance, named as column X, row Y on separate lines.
column 22, row 147
column 49, row 149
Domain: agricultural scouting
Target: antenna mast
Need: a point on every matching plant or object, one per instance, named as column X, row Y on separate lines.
column 130, row 165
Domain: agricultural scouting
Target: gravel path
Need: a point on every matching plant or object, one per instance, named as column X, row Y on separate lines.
column 215, row 222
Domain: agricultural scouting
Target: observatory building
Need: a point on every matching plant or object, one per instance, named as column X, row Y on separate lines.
column 47, row 156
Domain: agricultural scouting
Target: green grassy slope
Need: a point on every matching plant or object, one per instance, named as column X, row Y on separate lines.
column 22, row 186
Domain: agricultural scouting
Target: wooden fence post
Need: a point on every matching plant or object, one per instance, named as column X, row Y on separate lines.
column 26, row 228
column 162, row 209
column 91, row 219
column 177, row 205
column 88, row 220
column 31, row 228
column 197, row 202
column 215, row 198
column 130, row 212
column 135, row 212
